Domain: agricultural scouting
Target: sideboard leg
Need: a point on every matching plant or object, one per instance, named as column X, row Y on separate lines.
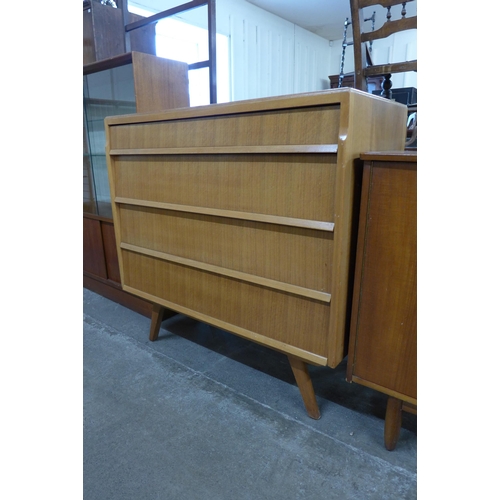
column 392, row 422
column 303, row 379
column 156, row 319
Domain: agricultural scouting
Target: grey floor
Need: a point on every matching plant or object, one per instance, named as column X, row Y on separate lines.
column 203, row 414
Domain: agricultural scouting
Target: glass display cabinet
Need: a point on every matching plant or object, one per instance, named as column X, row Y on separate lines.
column 106, row 93
column 133, row 82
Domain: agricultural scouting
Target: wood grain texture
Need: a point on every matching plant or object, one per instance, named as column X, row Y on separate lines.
column 367, row 124
column 295, row 186
column 93, row 248
column 303, row 379
column 363, row 68
column 159, row 83
column 231, row 273
column 300, row 257
column 389, row 28
column 275, row 314
column 229, row 214
column 295, row 148
column 104, row 35
column 302, row 126
column 383, row 344
column 184, row 243
column 392, row 427
column 110, row 251
column 156, row 318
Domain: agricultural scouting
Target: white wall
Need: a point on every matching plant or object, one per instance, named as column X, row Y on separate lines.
column 398, row 47
column 269, row 55
column 272, row 56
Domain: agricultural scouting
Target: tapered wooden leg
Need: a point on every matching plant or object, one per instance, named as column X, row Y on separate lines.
column 303, row 379
column 156, row 319
column 392, row 422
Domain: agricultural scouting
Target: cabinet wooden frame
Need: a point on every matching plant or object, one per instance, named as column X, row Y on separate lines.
column 240, row 214
column 383, row 337
column 158, row 83
column 104, row 33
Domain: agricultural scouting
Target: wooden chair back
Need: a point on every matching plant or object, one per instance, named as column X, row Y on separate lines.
column 363, row 66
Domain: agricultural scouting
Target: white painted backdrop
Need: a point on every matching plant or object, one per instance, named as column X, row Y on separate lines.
column 271, row 56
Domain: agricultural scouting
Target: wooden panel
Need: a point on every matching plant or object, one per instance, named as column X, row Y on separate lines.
column 104, row 34
column 297, row 256
column 297, row 186
column 347, row 81
column 93, row 248
column 88, row 38
column 159, row 83
column 383, row 350
column 276, row 315
column 142, row 39
column 110, row 253
column 108, row 31
column 318, row 125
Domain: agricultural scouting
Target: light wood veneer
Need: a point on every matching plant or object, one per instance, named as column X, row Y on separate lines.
column 240, row 214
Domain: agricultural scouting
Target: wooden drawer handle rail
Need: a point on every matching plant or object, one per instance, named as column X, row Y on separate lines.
column 231, row 214
column 250, row 278
column 212, row 150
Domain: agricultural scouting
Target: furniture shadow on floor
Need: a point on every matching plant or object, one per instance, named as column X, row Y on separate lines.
column 329, row 384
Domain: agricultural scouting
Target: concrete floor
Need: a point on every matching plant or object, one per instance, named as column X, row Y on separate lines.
column 203, row 414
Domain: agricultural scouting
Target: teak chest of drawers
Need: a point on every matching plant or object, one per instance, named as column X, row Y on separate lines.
column 239, row 214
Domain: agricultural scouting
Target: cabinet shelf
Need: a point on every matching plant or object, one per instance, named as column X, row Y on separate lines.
column 109, row 102
column 130, row 83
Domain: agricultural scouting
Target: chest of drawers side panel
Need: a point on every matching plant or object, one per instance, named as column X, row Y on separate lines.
column 367, row 123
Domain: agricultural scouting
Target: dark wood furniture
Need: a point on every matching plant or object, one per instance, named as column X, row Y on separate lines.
column 240, row 215
column 347, row 81
column 123, row 84
column 373, row 84
column 383, row 336
column 363, row 67
column 104, row 34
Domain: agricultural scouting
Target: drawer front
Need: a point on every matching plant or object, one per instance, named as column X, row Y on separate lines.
column 289, row 255
column 240, row 306
column 297, row 186
column 307, row 125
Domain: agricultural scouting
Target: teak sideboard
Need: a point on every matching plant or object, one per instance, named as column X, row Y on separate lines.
column 240, row 214
column 383, row 336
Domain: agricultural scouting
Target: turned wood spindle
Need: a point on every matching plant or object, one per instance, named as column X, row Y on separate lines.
column 386, row 85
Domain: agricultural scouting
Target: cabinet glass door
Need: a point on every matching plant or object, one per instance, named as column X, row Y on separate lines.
column 105, row 93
